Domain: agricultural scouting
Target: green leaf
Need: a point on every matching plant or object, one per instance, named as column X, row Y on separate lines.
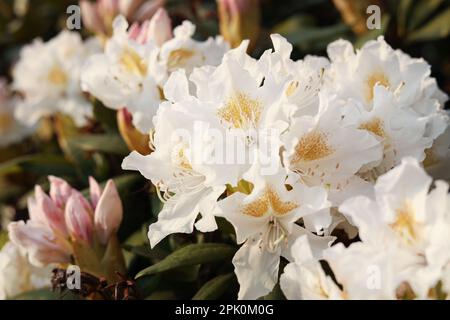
column 182, row 274
column 293, row 24
column 145, row 251
column 437, row 28
column 106, row 116
column 314, row 38
column 191, row 255
column 422, row 11
column 276, row 294
column 107, row 143
column 402, row 15
column 41, row 164
column 215, row 288
column 147, row 285
column 309, row 34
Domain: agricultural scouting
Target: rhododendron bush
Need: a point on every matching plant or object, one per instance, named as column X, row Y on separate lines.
column 205, row 150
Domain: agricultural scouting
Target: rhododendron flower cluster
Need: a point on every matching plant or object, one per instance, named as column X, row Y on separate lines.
column 48, row 78
column 294, row 155
column 308, row 146
column 137, row 61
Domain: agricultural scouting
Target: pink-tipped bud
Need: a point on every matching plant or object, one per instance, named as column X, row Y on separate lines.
column 160, row 27
column 129, row 7
column 54, row 215
column 108, row 7
column 95, row 191
column 91, row 18
column 108, row 213
column 60, row 191
column 134, row 31
column 239, row 20
column 147, row 10
column 40, row 243
column 78, row 219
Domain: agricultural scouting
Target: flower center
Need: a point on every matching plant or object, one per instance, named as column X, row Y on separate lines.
column 274, row 236
column 181, row 159
column 405, row 225
column 179, row 58
column 133, row 63
column 269, row 203
column 57, row 76
column 312, row 146
column 375, row 126
column 292, row 88
column 241, row 112
column 373, row 79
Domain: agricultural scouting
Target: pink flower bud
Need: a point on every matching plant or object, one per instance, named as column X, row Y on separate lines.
column 39, row 242
column 91, row 17
column 129, row 7
column 134, row 31
column 60, row 191
column 54, row 215
column 160, row 27
column 108, row 213
column 35, row 212
column 239, row 20
column 95, row 191
column 108, row 7
column 78, row 218
column 147, row 10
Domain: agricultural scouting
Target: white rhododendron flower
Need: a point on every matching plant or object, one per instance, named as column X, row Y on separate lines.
column 17, row 275
column 265, row 222
column 400, row 131
column 137, row 62
column 305, row 279
column 318, row 151
column 289, row 146
column 186, row 187
column 303, row 79
column 11, row 130
column 354, row 75
column 404, row 231
column 387, row 93
column 47, row 75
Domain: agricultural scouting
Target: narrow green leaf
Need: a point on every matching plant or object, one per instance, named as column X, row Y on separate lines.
column 42, row 164
column 107, row 143
column 305, row 36
column 422, row 12
column 437, row 28
column 191, row 255
column 147, row 285
column 403, row 9
column 106, row 117
column 145, row 251
column 214, row 288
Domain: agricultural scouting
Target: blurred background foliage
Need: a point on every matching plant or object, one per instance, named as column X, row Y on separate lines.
column 421, row 28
